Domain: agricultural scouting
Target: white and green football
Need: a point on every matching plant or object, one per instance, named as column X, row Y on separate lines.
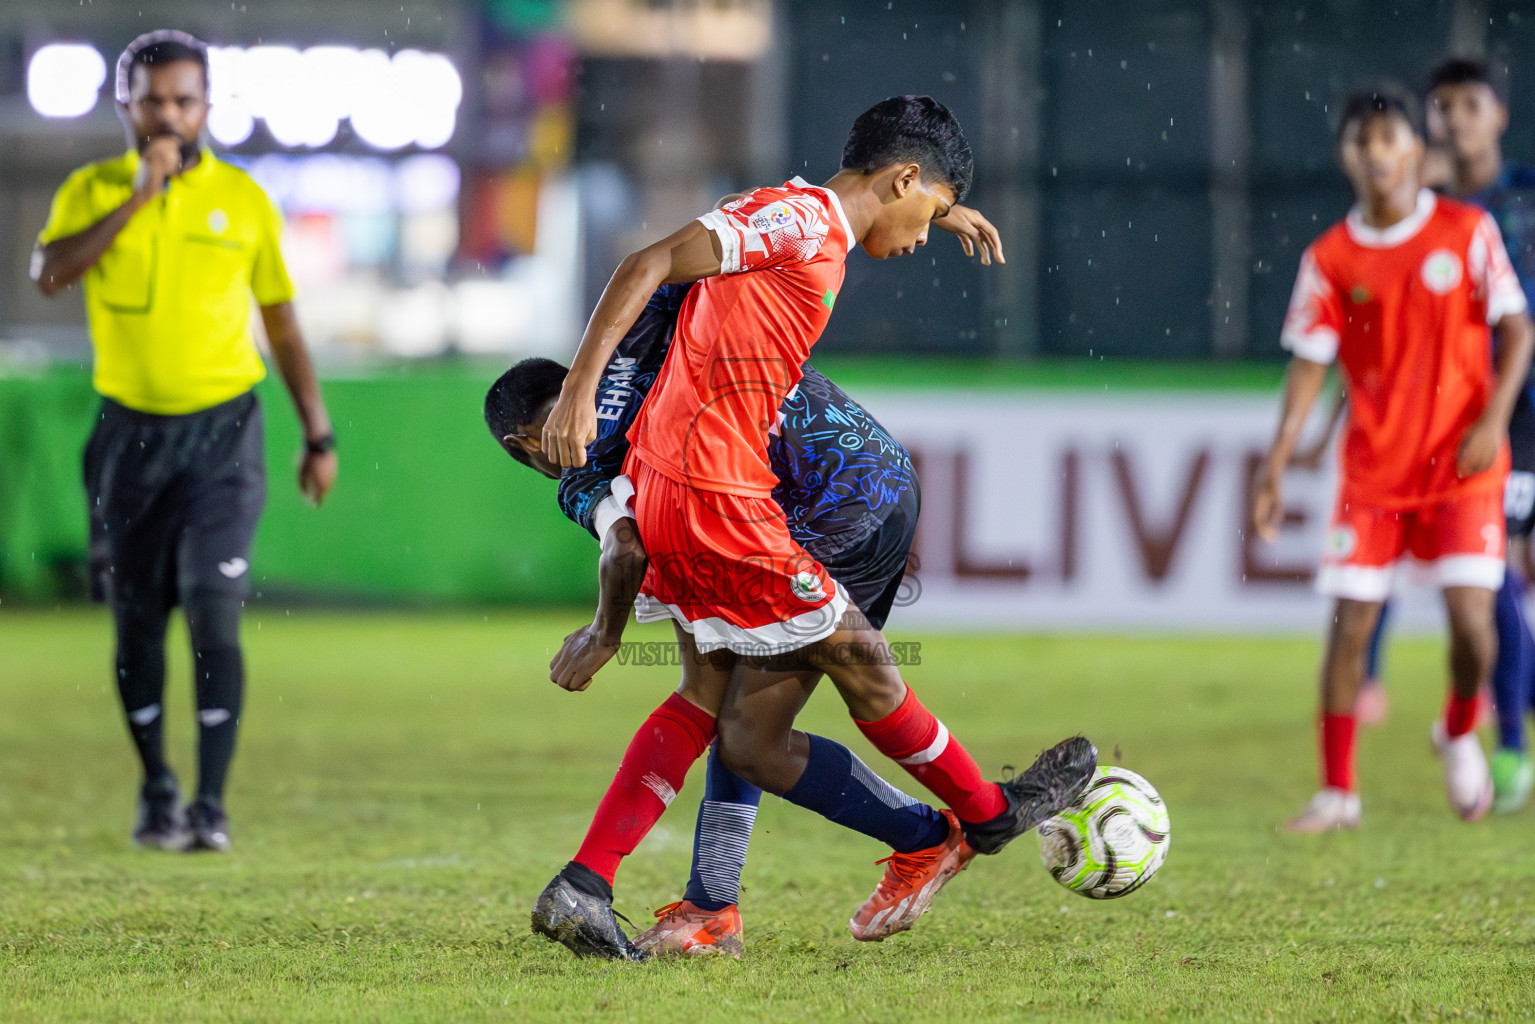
column 1111, row 841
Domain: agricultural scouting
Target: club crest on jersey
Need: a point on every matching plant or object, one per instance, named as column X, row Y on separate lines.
column 1341, row 542
column 773, row 217
column 807, row 587
column 1359, row 295
column 1441, row 271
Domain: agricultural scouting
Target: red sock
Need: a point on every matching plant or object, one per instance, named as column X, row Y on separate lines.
column 1460, row 714
column 1338, row 735
column 919, row 743
column 649, row 776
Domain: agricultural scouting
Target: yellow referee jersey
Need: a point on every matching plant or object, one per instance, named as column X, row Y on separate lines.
column 169, row 303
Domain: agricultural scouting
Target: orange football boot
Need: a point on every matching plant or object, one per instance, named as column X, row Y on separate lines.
column 683, row 928
column 910, row 883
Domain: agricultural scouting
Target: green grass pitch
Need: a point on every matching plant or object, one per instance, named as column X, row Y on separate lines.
column 406, row 785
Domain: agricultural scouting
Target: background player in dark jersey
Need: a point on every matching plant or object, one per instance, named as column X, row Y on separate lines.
column 1468, row 105
column 851, row 497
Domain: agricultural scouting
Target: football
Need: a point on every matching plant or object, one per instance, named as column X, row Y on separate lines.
column 1111, row 841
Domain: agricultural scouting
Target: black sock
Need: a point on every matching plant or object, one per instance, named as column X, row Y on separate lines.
column 584, row 879
column 218, row 675
column 140, row 665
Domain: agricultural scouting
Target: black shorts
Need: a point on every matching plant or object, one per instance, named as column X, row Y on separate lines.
column 873, row 571
column 174, row 502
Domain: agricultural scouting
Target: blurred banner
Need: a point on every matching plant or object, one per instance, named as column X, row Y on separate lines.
column 1067, row 511
column 1041, row 509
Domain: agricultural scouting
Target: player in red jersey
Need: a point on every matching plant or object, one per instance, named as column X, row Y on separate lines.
column 1401, row 293
column 721, row 561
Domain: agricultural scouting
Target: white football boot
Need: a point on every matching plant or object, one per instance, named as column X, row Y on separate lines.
column 1467, row 780
column 1330, row 809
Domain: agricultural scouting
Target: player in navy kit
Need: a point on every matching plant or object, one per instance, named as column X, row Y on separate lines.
column 851, row 497
column 1468, row 107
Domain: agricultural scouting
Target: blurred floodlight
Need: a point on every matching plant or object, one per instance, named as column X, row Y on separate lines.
column 304, row 95
column 412, row 98
column 65, row 79
column 229, row 119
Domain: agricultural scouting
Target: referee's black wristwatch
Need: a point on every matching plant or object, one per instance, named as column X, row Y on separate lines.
column 321, row 445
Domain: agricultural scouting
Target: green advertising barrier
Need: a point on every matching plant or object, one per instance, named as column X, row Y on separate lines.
column 426, row 507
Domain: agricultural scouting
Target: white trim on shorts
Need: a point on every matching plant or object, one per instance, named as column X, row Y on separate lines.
column 1356, row 582
column 713, row 633
column 1374, row 583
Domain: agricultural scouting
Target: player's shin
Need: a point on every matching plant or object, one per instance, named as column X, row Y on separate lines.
column 213, row 622
column 841, row 788
column 725, row 819
column 920, row 743
column 653, row 769
column 140, row 666
column 1511, row 673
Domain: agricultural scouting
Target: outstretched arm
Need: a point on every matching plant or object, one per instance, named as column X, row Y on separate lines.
column 1479, row 448
column 619, row 575
column 317, row 471
column 686, row 255
column 1303, row 383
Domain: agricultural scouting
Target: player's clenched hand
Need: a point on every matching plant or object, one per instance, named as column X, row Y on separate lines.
column 581, row 656
column 1268, row 507
column 160, row 160
column 975, row 232
column 571, row 426
column 1478, row 448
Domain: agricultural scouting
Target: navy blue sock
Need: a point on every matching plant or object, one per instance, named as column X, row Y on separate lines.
column 1516, row 660
column 725, row 820
column 1377, row 639
column 841, row 788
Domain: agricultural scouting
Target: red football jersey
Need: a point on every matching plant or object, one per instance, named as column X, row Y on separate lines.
column 1405, row 310
column 742, row 337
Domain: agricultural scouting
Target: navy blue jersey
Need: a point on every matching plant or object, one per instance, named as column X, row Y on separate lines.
column 841, row 475
column 624, row 385
column 1511, row 202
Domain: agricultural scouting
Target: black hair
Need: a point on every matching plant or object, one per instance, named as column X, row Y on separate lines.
column 918, row 129
column 1385, row 99
column 514, row 399
column 152, row 49
column 1470, row 71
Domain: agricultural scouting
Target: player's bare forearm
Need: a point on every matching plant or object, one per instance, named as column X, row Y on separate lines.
column 296, row 368
column 318, row 467
column 1303, row 384
column 620, row 572
column 687, row 255
column 1311, row 456
column 64, row 261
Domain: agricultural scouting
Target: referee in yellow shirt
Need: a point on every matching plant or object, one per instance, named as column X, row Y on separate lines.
column 172, row 244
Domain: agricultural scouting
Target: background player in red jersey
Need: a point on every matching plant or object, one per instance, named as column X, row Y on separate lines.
column 722, row 563
column 1401, row 294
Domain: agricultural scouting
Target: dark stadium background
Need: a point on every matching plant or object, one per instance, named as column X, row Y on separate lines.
column 1155, row 168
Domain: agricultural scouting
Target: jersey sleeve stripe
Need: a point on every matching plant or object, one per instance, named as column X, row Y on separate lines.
column 1318, row 345
column 730, row 240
